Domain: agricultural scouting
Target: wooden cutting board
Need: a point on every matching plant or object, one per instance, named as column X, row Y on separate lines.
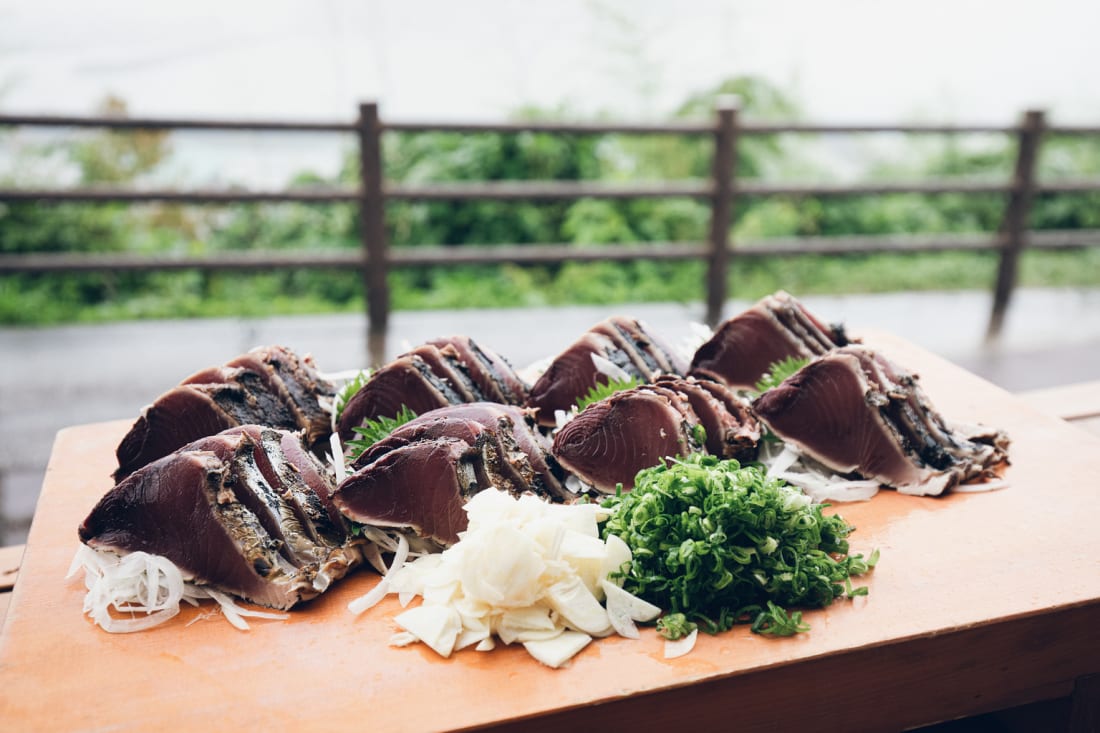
column 979, row 602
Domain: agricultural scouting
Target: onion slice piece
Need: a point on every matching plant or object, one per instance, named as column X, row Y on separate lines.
column 140, row 582
column 682, row 646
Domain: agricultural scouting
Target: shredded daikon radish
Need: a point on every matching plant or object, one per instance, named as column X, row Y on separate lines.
column 345, row 375
column 562, row 417
column 380, row 591
column 784, row 461
column 233, row 612
column 337, row 457
column 140, row 582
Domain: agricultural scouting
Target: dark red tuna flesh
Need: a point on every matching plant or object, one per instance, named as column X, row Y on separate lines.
column 526, row 438
column 420, row 487
column 234, row 511
column 570, row 376
column 494, row 376
column 732, row 431
column 514, row 455
column 180, row 507
column 625, row 342
column 744, row 347
column 310, row 393
column 429, row 426
column 267, row 386
column 611, row 440
column 179, row 416
column 447, row 367
column 407, row 381
column 856, row 413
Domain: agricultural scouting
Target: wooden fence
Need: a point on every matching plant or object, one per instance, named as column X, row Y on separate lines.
column 376, row 258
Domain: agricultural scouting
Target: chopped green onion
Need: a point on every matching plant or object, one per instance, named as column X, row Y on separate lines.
column 720, row 543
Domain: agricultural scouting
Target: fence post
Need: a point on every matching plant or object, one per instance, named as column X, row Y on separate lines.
column 1014, row 228
column 372, row 227
column 723, row 174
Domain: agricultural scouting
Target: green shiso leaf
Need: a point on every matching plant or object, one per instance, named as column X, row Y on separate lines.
column 372, row 431
column 346, row 392
column 722, row 544
column 604, row 390
column 780, row 370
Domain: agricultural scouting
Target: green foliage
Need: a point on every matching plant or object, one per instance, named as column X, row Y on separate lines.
column 779, row 371
column 348, row 391
column 128, row 158
column 603, row 390
column 372, row 431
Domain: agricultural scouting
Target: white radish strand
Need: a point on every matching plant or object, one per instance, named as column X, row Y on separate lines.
column 380, row 591
column 140, row 582
column 337, row 457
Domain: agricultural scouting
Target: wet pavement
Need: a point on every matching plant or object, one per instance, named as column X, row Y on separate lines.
column 51, row 378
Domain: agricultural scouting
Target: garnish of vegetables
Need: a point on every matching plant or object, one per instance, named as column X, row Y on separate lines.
column 603, row 390
column 526, row 572
column 779, row 371
column 372, row 431
column 715, row 543
column 346, row 392
column 138, row 591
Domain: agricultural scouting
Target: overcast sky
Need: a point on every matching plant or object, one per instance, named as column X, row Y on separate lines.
column 469, row 59
column 841, row 60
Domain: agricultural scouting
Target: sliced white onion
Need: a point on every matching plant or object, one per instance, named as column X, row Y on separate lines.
column 575, row 485
column 681, row 646
column 609, row 369
column 337, row 457
column 562, row 417
column 400, row 556
column 374, row 557
column 140, row 582
column 342, row 376
column 785, row 461
column 780, row 463
column 372, row 597
column 521, row 572
column 234, row 613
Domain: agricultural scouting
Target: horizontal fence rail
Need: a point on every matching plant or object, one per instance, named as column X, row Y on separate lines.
column 538, row 254
column 376, row 258
column 529, row 191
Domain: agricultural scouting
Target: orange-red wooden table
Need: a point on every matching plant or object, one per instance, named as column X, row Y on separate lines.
column 980, row 602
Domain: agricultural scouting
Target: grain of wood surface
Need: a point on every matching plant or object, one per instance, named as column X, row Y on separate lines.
column 980, row 602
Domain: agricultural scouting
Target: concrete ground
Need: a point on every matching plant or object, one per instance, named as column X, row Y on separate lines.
column 54, row 377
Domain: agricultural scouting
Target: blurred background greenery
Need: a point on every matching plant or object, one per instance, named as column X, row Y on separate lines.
column 134, row 158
